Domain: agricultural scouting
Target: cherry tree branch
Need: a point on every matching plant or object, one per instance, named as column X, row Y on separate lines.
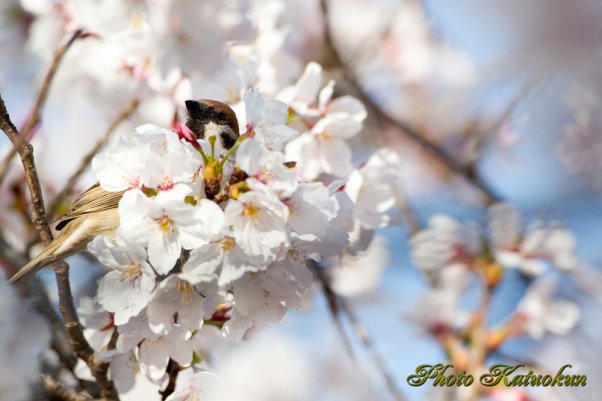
column 333, row 307
column 337, row 303
column 35, row 115
column 482, row 136
column 66, row 304
column 467, row 173
column 56, row 389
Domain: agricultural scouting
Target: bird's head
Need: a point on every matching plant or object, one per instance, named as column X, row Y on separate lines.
column 207, row 118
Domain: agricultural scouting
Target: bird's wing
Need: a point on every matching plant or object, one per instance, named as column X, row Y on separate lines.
column 95, row 199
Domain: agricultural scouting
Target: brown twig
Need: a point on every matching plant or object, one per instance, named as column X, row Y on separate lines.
column 360, row 331
column 406, row 210
column 36, row 111
column 127, row 111
column 333, row 307
column 364, row 336
column 406, row 128
column 56, row 389
column 482, row 136
column 38, row 216
column 479, row 340
column 173, row 370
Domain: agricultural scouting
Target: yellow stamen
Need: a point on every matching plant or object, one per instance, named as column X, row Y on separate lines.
column 165, row 224
column 251, row 211
column 166, row 183
column 132, row 363
column 132, row 271
column 154, row 344
column 227, row 244
column 185, row 290
column 137, row 21
column 265, row 176
column 324, row 136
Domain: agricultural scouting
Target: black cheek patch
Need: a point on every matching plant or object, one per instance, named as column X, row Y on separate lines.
column 227, row 140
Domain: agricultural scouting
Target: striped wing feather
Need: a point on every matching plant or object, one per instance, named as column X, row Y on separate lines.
column 95, row 199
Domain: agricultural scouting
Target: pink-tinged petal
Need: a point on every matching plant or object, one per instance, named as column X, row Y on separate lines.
column 307, row 87
column 326, row 95
column 349, row 106
column 163, row 251
column 202, row 263
column 254, row 105
column 180, row 350
column 191, row 311
column 275, row 112
column 186, row 134
column 248, row 156
column 154, row 358
column 212, row 217
column 343, row 128
column 336, row 157
column 304, row 151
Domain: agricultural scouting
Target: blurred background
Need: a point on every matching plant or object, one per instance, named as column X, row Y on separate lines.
column 508, row 90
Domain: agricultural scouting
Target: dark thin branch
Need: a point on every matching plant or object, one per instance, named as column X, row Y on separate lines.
column 360, row 331
column 66, row 304
column 36, row 111
column 127, row 111
column 408, row 130
column 173, row 370
column 364, row 336
column 333, row 307
column 482, row 136
column 406, row 210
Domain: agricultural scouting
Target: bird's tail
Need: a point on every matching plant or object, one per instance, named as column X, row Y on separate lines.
column 36, row 264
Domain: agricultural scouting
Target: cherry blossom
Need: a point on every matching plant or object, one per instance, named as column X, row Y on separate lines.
column 539, row 312
column 226, row 255
column 175, row 295
column 167, row 224
column 257, row 221
column 266, row 166
column 374, row 188
column 266, row 120
column 126, row 290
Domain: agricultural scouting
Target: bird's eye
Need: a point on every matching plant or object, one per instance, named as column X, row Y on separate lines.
column 221, row 115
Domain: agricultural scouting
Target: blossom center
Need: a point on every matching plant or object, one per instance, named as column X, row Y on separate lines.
column 158, row 343
column 264, row 176
column 251, row 211
column 228, row 244
column 324, row 136
column 166, row 184
column 132, row 363
column 132, row 271
column 133, row 182
column 185, row 290
column 165, row 224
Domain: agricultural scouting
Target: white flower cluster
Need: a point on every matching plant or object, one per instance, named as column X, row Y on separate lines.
column 23, row 336
column 205, row 237
column 448, row 251
column 184, row 256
